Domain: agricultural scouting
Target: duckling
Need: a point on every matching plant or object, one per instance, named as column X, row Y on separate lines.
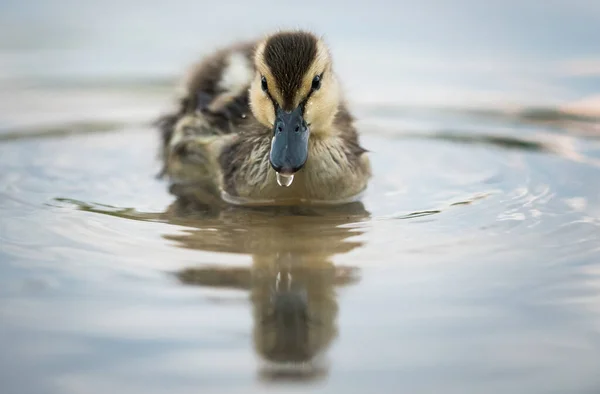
column 266, row 121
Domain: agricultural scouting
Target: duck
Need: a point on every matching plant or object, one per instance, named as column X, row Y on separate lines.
column 264, row 122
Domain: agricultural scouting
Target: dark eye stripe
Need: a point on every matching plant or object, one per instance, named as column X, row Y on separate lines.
column 263, row 82
column 319, row 78
column 265, row 88
column 316, row 83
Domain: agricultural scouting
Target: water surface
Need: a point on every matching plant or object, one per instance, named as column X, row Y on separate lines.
column 471, row 264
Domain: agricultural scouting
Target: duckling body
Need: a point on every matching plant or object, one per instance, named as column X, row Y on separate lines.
column 257, row 115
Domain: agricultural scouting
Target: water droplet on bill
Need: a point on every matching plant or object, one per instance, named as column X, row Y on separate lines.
column 285, row 179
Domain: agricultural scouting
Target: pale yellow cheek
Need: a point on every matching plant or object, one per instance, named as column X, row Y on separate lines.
column 261, row 107
column 268, row 112
column 322, row 107
column 320, row 113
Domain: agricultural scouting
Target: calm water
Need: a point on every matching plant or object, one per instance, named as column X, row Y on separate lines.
column 471, row 266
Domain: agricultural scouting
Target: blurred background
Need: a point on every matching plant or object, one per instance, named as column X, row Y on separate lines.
column 473, row 267
column 443, row 53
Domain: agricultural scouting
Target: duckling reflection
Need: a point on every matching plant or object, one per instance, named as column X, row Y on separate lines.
column 292, row 280
column 286, row 329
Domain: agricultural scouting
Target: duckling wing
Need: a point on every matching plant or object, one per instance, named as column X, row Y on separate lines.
column 212, row 106
column 216, row 89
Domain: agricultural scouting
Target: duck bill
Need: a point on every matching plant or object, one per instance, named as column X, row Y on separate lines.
column 289, row 147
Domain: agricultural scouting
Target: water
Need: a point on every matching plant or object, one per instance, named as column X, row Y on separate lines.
column 284, row 179
column 471, row 264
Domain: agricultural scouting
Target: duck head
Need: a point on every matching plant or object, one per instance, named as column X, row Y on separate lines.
column 295, row 93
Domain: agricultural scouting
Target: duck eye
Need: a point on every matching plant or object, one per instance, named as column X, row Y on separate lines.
column 263, row 82
column 316, row 83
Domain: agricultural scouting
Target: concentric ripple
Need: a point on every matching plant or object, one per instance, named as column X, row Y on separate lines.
column 471, row 236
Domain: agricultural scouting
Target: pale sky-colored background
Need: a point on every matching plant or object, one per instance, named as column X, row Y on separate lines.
column 419, row 52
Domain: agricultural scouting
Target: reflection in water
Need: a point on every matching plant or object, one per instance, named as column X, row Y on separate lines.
column 292, row 280
column 294, row 308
